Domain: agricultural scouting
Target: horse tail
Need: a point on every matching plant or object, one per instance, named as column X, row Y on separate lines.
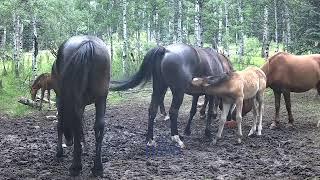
column 144, row 73
column 73, row 84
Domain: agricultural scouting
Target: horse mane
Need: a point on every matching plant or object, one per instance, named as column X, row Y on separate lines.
column 39, row 78
column 228, row 61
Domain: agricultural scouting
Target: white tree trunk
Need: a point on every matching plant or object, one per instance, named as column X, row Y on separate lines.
column 198, row 24
column 125, row 39
column 34, row 47
column 148, row 31
column 220, row 29
column 265, row 37
column 241, row 34
column 276, row 26
column 16, row 43
column 288, row 28
column 157, row 29
column 3, row 38
column 179, row 39
column 226, row 48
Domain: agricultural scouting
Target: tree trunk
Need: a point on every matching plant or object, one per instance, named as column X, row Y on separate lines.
column 179, row 39
column 1, row 86
column 288, row 28
column 34, row 48
column 2, row 49
column 220, row 28
column 276, row 26
column 16, row 43
column 226, row 43
column 265, row 36
column 241, row 34
column 157, row 27
column 125, row 39
column 111, row 43
column 198, row 23
column 148, row 31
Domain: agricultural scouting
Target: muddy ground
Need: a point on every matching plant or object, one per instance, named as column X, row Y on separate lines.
column 27, row 145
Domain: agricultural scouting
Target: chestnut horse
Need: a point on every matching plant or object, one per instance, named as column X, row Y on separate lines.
column 174, row 66
column 82, row 73
column 45, row 83
column 291, row 73
column 241, row 85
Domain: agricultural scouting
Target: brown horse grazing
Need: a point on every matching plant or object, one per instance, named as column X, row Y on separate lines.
column 291, row 73
column 247, row 84
column 82, row 73
column 45, row 83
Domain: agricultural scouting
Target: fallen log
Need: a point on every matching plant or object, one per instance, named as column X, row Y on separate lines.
column 45, row 100
column 29, row 102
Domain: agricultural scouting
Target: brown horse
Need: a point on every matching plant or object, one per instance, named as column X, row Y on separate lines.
column 291, row 73
column 247, row 84
column 82, row 73
column 45, row 83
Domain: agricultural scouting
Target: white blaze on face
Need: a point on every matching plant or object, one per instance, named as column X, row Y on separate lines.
column 176, row 139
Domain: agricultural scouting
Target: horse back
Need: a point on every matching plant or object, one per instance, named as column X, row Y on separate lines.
column 296, row 73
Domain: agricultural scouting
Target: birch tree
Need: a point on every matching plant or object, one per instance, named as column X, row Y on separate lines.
column 125, row 39
column 34, row 47
column 288, row 27
column 276, row 25
column 241, row 34
column 226, row 43
column 179, row 39
column 198, row 23
column 265, row 36
column 17, row 42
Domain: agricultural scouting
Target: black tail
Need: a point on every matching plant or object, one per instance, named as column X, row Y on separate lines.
column 74, row 81
column 145, row 71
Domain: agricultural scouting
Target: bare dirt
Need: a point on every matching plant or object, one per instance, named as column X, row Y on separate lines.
column 27, row 145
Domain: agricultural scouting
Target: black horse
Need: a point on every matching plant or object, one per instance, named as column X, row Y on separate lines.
column 174, row 66
column 81, row 74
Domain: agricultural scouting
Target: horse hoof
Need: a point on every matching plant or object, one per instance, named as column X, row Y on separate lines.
column 187, row 132
column 273, row 126
column 75, row 170
column 166, row 118
column 97, row 172
column 151, row 143
column 214, row 141
column 176, row 139
column 290, row 126
column 239, row 141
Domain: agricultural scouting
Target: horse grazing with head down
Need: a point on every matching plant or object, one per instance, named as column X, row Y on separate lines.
column 45, row 83
column 241, row 85
column 82, row 73
column 174, row 66
column 291, row 73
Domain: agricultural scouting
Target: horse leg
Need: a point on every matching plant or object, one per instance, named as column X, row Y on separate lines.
column 287, row 100
column 277, row 97
column 162, row 108
column 193, row 111
column 239, row 104
column 42, row 96
column 173, row 112
column 76, row 165
column 260, row 99
column 203, row 108
column 153, row 109
column 255, row 120
column 49, row 98
column 60, row 133
column 223, row 118
column 99, row 124
column 209, row 118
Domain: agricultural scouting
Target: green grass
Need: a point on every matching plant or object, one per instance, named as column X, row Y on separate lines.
column 14, row 88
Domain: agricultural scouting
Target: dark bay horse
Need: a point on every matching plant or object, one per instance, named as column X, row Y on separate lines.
column 291, row 73
column 174, row 66
column 82, row 74
column 43, row 82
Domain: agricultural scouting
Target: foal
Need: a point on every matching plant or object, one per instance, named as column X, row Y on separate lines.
column 242, row 85
column 45, row 83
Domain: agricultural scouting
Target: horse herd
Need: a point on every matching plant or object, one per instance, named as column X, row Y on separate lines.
column 81, row 76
